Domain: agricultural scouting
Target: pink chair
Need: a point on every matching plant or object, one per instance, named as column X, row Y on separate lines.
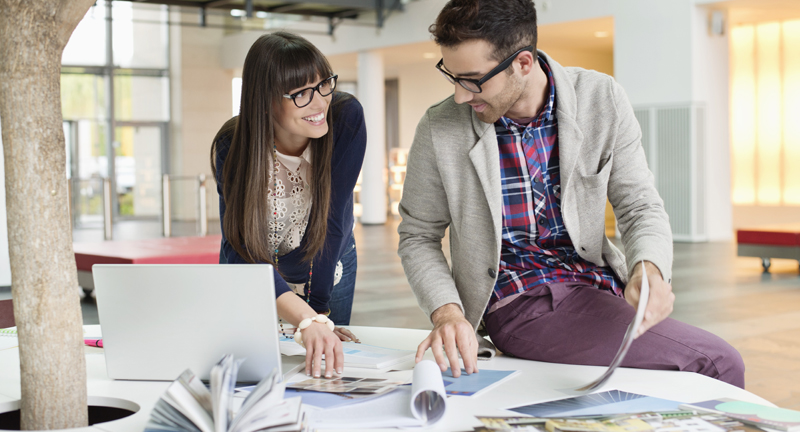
column 6, row 314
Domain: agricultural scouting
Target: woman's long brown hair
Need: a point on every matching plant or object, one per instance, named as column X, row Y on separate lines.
column 275, row 64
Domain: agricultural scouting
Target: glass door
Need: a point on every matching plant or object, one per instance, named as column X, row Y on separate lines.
column 138, row 168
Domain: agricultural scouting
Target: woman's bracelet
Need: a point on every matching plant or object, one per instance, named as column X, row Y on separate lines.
column 304, row 324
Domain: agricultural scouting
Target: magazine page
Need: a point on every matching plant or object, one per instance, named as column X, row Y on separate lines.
column 630, row 335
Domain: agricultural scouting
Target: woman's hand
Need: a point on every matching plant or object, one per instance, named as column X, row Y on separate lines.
column 319, row 340
column 317, row 337
column 345, row 335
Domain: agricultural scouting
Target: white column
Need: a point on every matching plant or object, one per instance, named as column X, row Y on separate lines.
column 373, row 174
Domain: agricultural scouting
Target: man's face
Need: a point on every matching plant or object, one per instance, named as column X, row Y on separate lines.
column 471, row 59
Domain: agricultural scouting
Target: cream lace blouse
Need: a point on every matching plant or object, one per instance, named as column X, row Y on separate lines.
column 293, row 201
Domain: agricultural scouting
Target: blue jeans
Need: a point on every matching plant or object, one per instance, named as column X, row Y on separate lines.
column 341, row 303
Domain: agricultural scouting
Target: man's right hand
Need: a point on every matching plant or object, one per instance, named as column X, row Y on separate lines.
column 451, row 330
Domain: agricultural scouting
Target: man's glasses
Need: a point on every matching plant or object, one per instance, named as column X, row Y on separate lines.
column 303, row 97
column 474, row 85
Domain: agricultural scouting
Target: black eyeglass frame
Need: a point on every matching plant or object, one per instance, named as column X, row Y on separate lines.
column 294, row 95
column 478, row 82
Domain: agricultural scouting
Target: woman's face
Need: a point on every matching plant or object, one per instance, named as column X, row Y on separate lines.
column 294, row 125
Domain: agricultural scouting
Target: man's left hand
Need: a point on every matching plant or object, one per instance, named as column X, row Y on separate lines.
column 659, row 306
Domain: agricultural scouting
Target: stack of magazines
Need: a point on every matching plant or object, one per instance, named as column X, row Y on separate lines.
column 188, row 405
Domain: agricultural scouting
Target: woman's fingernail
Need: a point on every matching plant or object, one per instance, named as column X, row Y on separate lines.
column 328, row 375
column 339, row 371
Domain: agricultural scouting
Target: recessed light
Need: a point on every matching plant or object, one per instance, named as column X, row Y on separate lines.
column 601, row 34
column 428, row 55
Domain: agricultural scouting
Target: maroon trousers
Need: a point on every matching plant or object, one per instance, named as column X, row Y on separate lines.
column 576, row 323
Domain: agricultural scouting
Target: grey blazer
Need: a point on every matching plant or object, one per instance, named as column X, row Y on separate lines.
column 453, row 180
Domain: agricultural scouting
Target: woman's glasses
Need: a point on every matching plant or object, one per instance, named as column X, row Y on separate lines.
column 303, row 97
column 474, row 85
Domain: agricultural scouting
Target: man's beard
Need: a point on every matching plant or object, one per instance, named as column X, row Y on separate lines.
column 502, row 102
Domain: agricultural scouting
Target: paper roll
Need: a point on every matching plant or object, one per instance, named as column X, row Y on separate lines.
column 428, row 398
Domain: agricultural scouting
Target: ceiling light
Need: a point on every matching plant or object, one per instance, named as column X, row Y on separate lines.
column 601, row 34
column 238, row 12
column 428, row 55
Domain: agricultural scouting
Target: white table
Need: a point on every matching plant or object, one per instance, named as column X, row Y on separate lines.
column 537, row 382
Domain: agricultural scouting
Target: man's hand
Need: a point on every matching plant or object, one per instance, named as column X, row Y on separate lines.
column 455, row 333
column 345, row 335
column 659, row 306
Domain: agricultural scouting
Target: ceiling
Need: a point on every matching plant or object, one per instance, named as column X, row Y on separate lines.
column 575, row 35
column 758, row 11
column 326, row 8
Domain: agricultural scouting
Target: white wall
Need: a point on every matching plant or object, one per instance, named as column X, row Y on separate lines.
column 652, row 50
column 5, row 265
column 710, row 85
column 201, row 103
column 419, row 87
column 664, row 57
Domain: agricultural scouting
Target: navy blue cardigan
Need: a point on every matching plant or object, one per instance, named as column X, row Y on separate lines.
column 349, row 144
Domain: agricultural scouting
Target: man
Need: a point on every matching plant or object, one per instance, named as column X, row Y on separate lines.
column 518, row 163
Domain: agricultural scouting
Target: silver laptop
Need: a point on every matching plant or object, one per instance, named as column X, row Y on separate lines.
column 159, row 320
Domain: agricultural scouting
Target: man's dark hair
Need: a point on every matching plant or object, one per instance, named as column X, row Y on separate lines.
column 506, row 24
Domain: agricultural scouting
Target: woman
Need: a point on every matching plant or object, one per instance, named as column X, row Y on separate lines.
column 285, row 168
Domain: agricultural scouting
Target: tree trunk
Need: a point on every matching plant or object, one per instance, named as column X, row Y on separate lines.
column 44, row 277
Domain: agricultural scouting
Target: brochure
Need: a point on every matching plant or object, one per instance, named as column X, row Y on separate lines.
column 476, row 383
column 612, row 402
column 667, row 421
column 754, row 414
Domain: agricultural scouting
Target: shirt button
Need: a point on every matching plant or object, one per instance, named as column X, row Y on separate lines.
column 536, row 180
column 542, row 221
column 492, row 273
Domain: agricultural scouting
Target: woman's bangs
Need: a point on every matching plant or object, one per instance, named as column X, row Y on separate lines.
column 301, row 67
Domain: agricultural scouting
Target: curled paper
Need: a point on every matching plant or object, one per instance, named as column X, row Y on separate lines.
column 428, row 398
column 421, row 404
column 627, row 341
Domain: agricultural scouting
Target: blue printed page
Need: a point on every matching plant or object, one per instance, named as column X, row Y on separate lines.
column 469, row 385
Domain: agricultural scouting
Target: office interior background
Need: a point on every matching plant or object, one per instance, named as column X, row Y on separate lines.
column 715, row 86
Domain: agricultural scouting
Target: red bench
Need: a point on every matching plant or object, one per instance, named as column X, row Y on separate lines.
column 778, row 241
column 172, row 250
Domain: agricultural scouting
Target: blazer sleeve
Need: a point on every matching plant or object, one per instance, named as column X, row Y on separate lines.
column 425, row 218
column 643, row 222
column 350, row 143
column 232, row 257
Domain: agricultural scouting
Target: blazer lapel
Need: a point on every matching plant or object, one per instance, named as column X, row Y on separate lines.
column 485, row 157
column 570, row 141
column 570, row 137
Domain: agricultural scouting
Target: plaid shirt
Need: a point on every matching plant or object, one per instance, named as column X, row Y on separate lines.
column 536, row 247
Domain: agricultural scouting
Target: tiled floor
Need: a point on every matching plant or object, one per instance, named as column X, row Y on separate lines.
column 759, row 314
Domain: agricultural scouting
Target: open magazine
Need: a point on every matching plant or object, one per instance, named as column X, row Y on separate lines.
column 630, row 335
column 188, row 405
